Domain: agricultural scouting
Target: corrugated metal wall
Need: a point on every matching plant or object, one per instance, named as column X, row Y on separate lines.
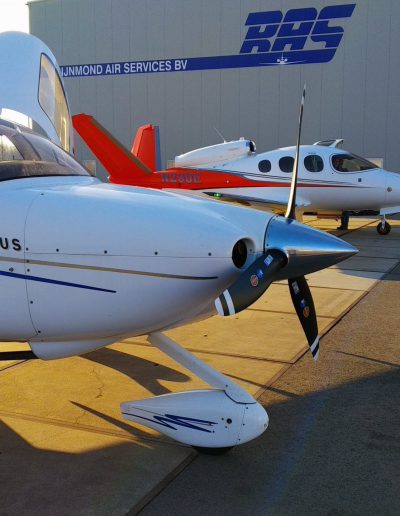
column 355, row 96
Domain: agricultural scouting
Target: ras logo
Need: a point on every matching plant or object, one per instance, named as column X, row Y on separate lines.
column 304, row 35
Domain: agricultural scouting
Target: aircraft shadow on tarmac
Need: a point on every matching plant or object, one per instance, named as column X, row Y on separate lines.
column 145, row 372
column 46, row 482
column 334, row 451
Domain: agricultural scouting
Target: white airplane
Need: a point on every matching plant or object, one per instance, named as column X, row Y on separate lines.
column 331, row 180
column 84, row 264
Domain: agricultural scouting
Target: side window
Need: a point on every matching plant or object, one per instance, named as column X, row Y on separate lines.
column 264, row 166
column 53, row 101
column 313, row 163
column 286, row 164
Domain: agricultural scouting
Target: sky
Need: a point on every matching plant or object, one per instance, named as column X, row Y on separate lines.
column 14, row 15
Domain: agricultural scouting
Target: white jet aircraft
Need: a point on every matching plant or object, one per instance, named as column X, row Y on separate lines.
column 84, row 264
column 331, row 180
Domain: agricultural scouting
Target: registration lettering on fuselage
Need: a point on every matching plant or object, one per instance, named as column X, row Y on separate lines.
column 10, row 243
column 187, row 177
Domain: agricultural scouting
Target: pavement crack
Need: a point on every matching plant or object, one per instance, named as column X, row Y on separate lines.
column 101, row 382
column 100, row 391
column 77, row 420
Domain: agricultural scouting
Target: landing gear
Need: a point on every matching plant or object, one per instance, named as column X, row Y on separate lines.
column 383, row 228
column 211, row 420
column 344, row 221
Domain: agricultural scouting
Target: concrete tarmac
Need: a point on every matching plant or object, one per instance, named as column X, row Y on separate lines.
column 333, row 445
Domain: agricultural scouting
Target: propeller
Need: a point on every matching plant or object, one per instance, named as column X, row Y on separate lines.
column 291, row 207
column 256, row 279
column 251, row 284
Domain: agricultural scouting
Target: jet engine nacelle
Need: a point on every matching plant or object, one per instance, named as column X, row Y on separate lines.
column 205, row 418
column 214, row 154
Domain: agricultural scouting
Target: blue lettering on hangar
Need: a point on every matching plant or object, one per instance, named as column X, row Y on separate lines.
column 272, row 32
column 299, row 36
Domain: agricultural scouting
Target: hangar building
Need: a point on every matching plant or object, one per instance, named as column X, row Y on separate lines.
column 235, row 65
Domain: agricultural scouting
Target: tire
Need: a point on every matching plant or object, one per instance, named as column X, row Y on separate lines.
column 213, row 451
column 383, row 229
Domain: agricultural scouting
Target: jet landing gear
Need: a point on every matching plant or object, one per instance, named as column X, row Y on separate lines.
column 210, row 420
column 383, row 228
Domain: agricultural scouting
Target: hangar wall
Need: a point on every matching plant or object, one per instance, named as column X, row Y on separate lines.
column 354, row 96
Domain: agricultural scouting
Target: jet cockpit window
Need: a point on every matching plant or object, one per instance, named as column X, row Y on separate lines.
column 53, row 101
column 26, row 154
column 314, row 163
column 351, row 163
column 286, row 164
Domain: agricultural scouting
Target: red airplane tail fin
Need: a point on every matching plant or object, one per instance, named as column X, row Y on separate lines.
column 121, row 164
column 146, row 146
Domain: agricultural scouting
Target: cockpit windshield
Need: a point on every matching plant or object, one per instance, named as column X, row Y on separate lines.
column 26, row 154
column 351, row 163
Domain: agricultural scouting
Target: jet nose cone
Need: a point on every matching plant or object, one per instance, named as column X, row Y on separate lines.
column 392, row 192
column 307, row 249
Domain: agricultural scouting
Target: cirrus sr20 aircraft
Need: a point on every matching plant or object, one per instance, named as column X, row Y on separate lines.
column 84, row 264
column 331, row 179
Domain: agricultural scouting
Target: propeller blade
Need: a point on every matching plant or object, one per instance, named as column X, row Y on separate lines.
column 291, row 207
column 253, row 282
column 304, row 305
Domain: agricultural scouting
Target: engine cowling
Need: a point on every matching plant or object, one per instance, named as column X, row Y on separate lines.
column 226, row 151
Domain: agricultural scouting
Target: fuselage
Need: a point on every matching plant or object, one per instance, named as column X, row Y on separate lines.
column 321, row 186
column 81, row 259
column 84, row 260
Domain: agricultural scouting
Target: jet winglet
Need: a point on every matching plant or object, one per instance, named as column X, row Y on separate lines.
column 115, row 158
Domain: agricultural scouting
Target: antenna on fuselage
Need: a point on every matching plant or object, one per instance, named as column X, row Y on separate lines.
column 220, row 135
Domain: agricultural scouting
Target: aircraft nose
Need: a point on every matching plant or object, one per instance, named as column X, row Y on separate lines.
column 393, row 188
column 307, row 249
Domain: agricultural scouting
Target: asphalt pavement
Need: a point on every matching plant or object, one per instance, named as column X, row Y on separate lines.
column 333, row 444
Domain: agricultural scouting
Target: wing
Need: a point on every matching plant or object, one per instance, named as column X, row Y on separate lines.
column 270, row 205
column 277, row 205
